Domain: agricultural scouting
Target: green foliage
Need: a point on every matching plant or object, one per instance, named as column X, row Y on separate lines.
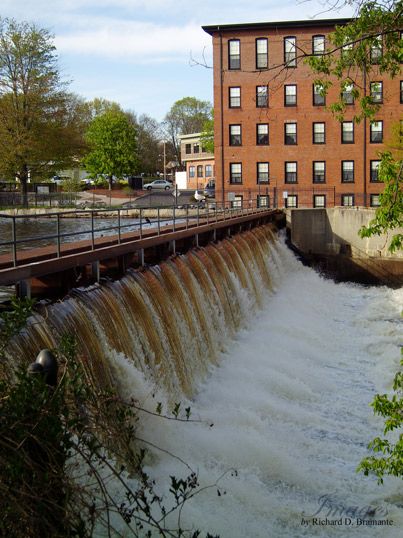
column 71, row 461
column 41, row 124
column 389, row 215
column 368, row 46
column 186, row 116
column 388, row 458
column 207, row 135
column 112, row 141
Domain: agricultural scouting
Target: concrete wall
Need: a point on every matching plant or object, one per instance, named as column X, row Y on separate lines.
column 334, row 230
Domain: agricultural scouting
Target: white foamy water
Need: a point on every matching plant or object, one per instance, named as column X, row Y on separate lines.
column 290, row 406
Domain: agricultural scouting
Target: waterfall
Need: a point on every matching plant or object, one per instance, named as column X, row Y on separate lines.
column 170, row 321
column 283, row 362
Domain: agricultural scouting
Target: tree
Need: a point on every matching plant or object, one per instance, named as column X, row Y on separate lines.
column 149, row 140
column 185, row 117
column 40, row 123
column 359, row 51
column 207, row 136
column 111, row 138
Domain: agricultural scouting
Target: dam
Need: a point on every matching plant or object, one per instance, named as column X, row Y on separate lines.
column 284, row 364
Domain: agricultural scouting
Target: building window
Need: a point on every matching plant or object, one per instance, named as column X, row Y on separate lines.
column 196, row 148
column 262, row 134
column 319, row 200
column 374, row 171
column 291, row 200
column 234, row 97
column 200, row 170
column 319, row 97
column 318, row 45
column 262, row 173
column 376, row 90
column 235, row 137
column 290, row 172
column 376, row 132
column 208, row 170
column 347, row 171
column 235, row 172
column 290, row 95
column 191, row 171
column 347, row 200
column 347, row 132
column 237, row 201
column 347, row 94
column 376, row 50
column 262, row 57
column 374, row 200
column 261, row 96
column 346, row 49
column 234, row 54
column 318, row 133
column 290, row 134
column 290, row 51
column 263, row 200
column 188, row 149
column 319, row 172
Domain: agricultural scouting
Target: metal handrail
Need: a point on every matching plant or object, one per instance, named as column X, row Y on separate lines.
column 203, row 214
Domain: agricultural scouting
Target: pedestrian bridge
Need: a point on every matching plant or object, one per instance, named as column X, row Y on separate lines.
column 109, row 241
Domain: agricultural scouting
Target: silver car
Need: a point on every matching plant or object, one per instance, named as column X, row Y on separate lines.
column 158, row 184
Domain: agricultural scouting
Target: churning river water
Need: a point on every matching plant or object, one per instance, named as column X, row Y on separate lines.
column 289, row 401
column 278, row 364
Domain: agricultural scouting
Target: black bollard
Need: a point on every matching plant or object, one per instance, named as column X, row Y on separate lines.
column 46, row 365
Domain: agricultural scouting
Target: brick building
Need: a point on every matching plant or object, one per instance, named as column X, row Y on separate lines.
column 199, row 163
column 275, row 141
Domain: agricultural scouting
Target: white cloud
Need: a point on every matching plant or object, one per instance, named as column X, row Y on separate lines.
column 136, row 40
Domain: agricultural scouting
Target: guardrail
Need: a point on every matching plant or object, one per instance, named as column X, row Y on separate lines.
column 157, row 220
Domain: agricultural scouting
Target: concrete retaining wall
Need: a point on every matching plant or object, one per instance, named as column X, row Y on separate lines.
column 335, row 230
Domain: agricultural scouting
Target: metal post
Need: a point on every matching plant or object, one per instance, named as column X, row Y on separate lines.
column 119, row 226
column 187, row 217
column 198, row 214
column 141, row 256
column 92, row 231
column 96, row 271
column 58, row 234
column 159, row 223
column 174, row 217
column 141, row 223
column 14, row 238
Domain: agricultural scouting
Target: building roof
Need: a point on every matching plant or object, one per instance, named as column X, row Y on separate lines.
column 274, row 25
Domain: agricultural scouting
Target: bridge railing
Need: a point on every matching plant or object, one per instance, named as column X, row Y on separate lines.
column 91, row 229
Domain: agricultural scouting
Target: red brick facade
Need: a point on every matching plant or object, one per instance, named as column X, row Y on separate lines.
column 318, row 164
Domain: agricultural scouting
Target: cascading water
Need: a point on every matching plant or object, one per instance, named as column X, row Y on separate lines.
column 282, row 361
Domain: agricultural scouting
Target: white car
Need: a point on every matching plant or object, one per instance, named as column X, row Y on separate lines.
column 158, row 184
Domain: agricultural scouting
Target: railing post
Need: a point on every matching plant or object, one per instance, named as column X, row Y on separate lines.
column 198, row 214
column 158, row 218
column 14, row 238
column 58, row 234
column 92, row 231
column 141, row 223
column 119, row 226
column 187, row 217
column 174, row 218
column 208, row 211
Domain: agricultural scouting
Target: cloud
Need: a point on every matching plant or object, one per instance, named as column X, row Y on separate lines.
column 138, row 41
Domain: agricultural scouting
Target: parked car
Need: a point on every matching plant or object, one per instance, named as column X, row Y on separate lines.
column 158, row 184
column 209, row 189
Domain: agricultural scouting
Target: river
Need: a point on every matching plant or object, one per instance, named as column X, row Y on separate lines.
column 289, row 401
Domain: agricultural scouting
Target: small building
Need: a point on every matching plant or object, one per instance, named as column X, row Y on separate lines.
column 198, row 162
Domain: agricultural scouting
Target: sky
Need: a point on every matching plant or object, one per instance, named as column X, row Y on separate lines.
column 139, row 52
